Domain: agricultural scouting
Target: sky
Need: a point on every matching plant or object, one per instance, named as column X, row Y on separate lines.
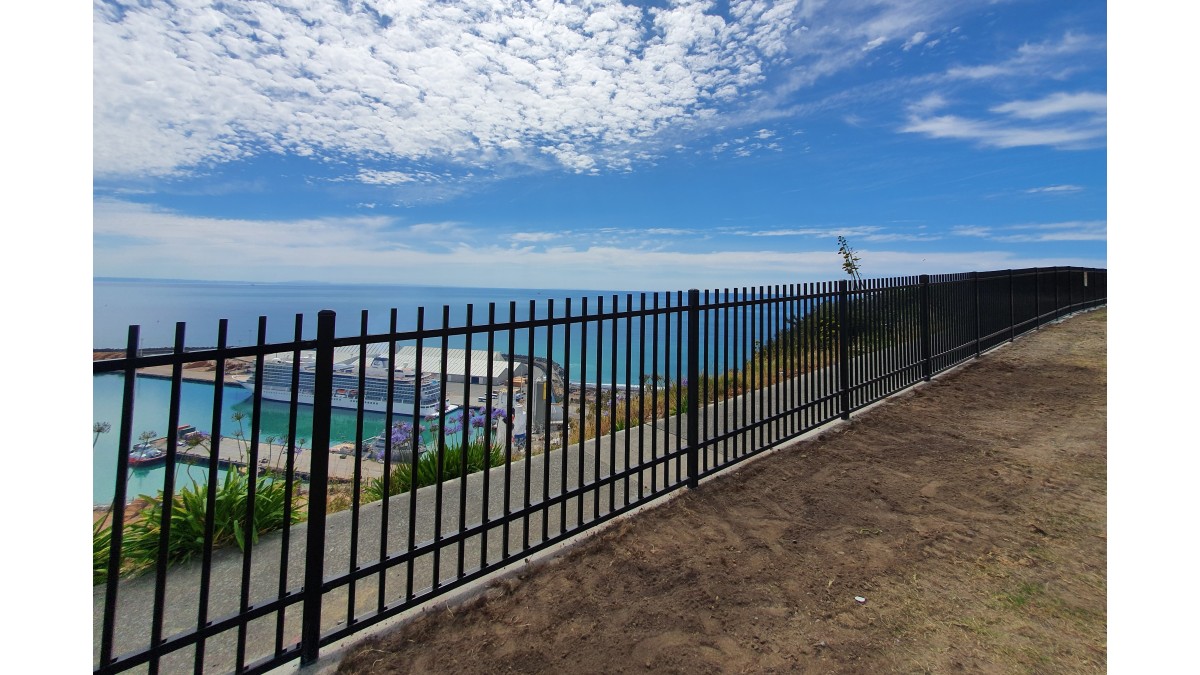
column 603, row 144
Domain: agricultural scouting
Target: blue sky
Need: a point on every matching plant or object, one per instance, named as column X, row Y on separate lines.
column 608, row 145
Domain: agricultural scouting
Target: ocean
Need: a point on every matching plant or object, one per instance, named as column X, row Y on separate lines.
column 156, row 305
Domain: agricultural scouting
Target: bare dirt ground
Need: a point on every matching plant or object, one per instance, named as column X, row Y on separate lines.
column 969, row 513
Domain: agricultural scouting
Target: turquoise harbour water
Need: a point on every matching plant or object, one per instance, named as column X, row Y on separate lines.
column 151, row 407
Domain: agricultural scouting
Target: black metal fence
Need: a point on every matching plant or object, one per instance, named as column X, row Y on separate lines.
column 622, row 401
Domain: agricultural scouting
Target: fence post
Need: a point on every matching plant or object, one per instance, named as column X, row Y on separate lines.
column 926, row 336
column 318, row 479
column 975, row 288
column 117, row 524
column 1012, row 309
column 1037, row 297
column 693, row 388
column 1057, row 306
column 1074, row 274
column 844, row 348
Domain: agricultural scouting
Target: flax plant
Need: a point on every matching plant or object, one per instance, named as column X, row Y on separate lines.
column 188, row 512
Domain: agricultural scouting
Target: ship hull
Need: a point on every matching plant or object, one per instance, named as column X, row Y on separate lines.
column 399, row 407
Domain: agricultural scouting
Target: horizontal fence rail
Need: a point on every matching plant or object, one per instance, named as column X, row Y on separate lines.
column 338, row 481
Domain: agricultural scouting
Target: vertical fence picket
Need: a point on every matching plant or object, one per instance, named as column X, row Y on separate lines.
column 596, row 468
column 463, row 449
column 251, row 493
column 288, row 483
column 113, row 570
column 1057, row 302
column 168, row 499
column 318, row 487
column 1012, row 309
column 926, row 337
column 414, row 460
column 211, row 496
column 693, row 388
column 976, row 310
column 843, row 310
column 1037, row 296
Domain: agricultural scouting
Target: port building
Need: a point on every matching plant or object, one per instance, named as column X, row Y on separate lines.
column 457, row 361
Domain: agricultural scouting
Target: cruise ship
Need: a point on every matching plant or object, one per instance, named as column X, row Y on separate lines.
column 277, row 385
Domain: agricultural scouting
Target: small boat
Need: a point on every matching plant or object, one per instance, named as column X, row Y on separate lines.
column 182, row 432
column 145, row 454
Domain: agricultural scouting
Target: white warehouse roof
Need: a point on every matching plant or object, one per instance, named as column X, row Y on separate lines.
column 456, row 361
column 406, row 359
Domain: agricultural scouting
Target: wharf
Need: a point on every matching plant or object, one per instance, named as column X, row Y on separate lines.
column 238, row 369
column 236, row 452
column 200, row 371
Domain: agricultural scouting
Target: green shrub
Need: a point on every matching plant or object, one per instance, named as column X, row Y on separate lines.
column 140, row 540
column 101, row 546
column 400, row 481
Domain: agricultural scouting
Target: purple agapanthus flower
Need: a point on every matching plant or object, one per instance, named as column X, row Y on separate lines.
column 196, row 437
column 402, row 433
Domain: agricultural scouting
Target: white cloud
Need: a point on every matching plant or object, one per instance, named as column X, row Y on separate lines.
column 979, row 72
column 1088, row 230
column 898, row 236
column 839, row 35
column 372, row 177
column 916, row 39
column 1076, row 230
column 971, row 231
column 1054, row 189
column 1065, row 120
column 1060, row 103
column 181, row 85
column 1086, row 134
column 437, row 232
column 747, row 146
column 533, row 236
column 158, row 244
column 829, row 232
column 872, row 233
column 873, row 44
column 181, row 240
column 928, row 104
column 1054, row 59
